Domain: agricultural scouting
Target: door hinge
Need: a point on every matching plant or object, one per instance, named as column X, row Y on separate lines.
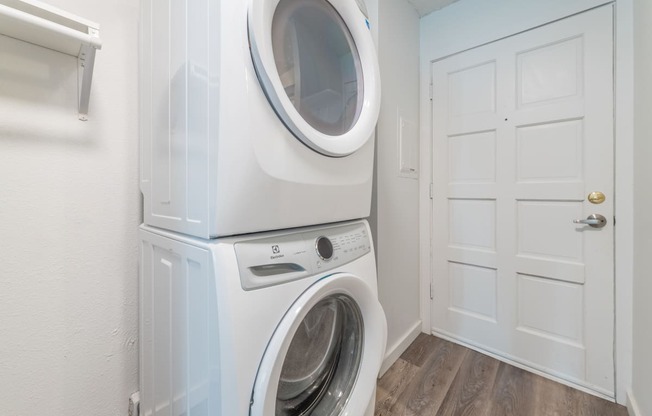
column 430, row 94
column 431, row 193
column 614, row 220
column 431, row 294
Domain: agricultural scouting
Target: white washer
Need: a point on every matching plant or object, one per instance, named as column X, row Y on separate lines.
column 256, row 114
column 279, row 323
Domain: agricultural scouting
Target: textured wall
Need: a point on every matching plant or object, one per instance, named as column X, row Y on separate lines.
column 397, row 210
column 69, row 208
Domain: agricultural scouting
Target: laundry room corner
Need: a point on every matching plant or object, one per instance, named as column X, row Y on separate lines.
column 71, row 207
column 395, row 209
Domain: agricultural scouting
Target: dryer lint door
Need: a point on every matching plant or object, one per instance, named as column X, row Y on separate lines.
column 325, row 355
column 316, row 62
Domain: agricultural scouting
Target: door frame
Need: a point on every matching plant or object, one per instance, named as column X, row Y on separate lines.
column 529, row 15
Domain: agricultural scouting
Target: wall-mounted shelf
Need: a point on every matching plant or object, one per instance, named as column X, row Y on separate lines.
column 38, row 23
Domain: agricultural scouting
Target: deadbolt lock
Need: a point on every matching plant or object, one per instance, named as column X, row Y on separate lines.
column 596, row 197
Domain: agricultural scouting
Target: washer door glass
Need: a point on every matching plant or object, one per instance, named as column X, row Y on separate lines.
column 323, row 360
column 318, row 64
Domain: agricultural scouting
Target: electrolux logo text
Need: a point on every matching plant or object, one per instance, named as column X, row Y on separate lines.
column 276, row 250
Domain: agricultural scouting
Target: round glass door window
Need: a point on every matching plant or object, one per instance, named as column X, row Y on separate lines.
column 323, row 360
column 318, row 64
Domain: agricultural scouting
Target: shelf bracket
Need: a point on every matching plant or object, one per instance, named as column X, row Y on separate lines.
column 41, row 24
column 86, row 64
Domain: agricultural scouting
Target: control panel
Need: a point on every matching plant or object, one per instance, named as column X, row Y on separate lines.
column 284, row 257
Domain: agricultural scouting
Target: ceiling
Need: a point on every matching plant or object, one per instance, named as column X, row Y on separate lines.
column 428, row 6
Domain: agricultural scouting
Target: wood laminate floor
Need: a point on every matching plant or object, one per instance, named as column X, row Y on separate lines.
column 437, row 377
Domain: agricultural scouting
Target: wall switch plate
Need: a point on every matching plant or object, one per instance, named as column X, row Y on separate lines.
column 408, row 148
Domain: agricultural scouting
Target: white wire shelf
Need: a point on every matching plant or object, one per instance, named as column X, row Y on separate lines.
column 43, row 25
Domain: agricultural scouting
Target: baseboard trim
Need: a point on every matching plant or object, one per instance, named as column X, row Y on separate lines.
column 632, row 405
column 399, row 347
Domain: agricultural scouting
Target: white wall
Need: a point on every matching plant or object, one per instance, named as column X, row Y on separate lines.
column 397, row 245
column 471, row 23
column 69, row 208
column 642, row 377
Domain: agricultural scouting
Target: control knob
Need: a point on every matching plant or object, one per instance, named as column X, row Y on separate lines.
column 324, row 248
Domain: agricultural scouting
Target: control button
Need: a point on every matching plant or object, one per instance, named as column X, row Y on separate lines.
column 324, row 248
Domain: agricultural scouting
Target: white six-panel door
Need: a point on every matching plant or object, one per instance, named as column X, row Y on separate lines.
column 522, row 134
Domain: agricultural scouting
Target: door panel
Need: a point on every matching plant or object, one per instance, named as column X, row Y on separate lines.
column 522, row 133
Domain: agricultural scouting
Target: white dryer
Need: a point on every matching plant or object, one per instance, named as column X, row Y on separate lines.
column 280, row 323
column 256, row 114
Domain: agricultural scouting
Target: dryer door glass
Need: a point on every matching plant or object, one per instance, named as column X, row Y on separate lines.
column 323, row 360
column 318, row 64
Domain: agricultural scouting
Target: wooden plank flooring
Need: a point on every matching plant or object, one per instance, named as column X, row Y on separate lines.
column 435, row 377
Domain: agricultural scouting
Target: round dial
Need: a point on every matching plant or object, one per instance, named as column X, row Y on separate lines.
column 324, row 248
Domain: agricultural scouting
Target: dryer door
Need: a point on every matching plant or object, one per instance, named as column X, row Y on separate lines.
column 317, row 63
column 324, row 356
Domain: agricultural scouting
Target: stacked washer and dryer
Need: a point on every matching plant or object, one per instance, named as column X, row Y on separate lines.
column 258, row 280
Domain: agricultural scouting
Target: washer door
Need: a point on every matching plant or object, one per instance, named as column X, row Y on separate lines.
column 324, row 356
column 317, row 63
